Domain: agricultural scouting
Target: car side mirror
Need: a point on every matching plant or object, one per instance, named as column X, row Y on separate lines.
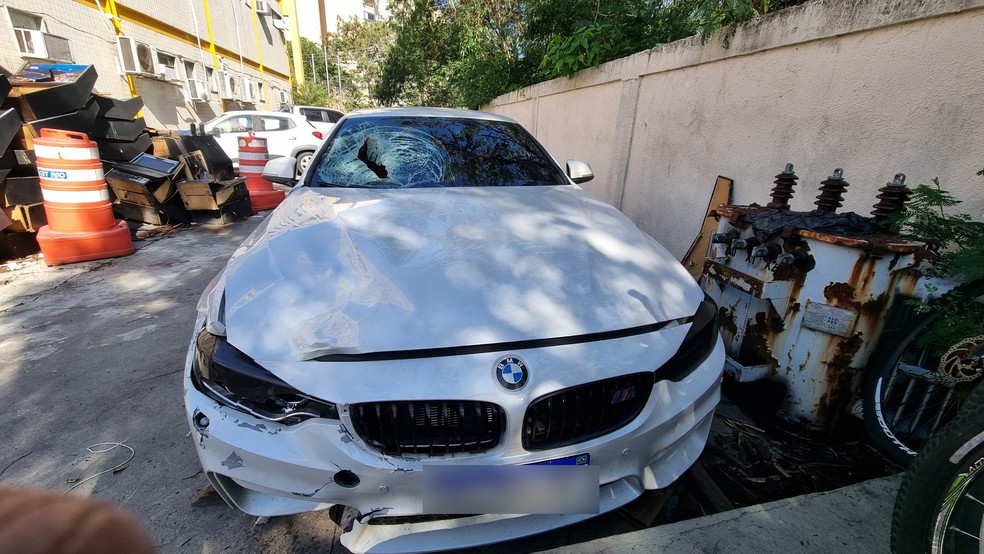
column 280, row 170
column 579, row 172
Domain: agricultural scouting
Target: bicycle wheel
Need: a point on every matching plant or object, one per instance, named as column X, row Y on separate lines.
column 905, row 398
column 940, row 504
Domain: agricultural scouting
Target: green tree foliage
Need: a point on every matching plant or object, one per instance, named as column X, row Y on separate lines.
column 356, row 52
column 310, row 94
column 352, row 55
column 466, row 52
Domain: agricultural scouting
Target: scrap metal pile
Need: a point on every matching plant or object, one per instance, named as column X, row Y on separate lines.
column 154, row 177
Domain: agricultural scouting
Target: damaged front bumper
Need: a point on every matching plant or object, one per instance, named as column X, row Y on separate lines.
column 267, row 469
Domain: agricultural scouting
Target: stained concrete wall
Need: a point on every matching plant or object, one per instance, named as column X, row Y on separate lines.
column 876, row 87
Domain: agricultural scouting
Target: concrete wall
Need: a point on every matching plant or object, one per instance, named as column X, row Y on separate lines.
column 173, row 28
column 876, row 87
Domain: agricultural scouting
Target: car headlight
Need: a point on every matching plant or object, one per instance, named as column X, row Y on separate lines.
column 212, row 304
column 697, row 345
column 233, row 379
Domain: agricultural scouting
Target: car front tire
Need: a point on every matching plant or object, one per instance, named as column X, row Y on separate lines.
column 303, row 160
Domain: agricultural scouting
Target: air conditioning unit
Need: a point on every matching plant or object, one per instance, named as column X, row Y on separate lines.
column 283, row 24
column 254, row 92
column 284, row 96
column 138, row 57
column 197, row 90
column 37, row 44
column 245, row 91
column 228, row 86
column 261, row 7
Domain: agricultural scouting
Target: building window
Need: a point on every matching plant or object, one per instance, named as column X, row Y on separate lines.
column 34, row 42
column 190, row 72
column 370, row 16
column 213, row 83
column 167, row 66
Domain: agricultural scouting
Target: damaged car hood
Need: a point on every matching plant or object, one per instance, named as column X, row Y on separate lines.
column 356, row 271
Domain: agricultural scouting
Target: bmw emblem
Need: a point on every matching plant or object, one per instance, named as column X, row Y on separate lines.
column 512, row 373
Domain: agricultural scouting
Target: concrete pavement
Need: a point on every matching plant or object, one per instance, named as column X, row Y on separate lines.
column 853, row 519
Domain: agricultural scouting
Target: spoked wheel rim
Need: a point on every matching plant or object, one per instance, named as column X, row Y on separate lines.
column 917, row 396
column 959, row 525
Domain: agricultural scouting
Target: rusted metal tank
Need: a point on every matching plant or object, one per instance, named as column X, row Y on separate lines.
column 803, row 296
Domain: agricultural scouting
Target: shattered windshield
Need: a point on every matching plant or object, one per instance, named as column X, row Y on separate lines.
column 413, row 152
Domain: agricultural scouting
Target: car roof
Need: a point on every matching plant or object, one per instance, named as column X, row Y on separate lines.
column 428, row 112
column 253, row 112
column 319, row 108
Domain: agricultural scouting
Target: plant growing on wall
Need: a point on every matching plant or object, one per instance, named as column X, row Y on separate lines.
column 959, row 242
column 467, row 52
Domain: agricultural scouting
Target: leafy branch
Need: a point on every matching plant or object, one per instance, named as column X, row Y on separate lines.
column 959, row 242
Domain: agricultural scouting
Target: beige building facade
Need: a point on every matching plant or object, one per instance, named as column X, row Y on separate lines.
column 189, row 60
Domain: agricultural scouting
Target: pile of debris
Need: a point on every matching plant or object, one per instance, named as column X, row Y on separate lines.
column 188, row 178
column 154, row 177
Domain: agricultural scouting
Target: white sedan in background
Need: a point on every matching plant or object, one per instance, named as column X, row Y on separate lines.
column 288, row 134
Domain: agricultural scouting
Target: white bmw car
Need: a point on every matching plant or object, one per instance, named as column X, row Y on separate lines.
column 438, row 323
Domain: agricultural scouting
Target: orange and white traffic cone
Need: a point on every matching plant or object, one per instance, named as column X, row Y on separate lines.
column 81, row 225
column 253, row 156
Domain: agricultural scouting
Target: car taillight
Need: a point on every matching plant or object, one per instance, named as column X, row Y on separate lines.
column 318, row 134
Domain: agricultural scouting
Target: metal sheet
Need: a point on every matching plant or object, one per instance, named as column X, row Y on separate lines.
column 48, row 90
column 118, row 108
column 829, row 319
column 10, row 126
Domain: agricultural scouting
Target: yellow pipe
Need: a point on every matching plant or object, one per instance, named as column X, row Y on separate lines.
column 259, row 53
column 211, row 37
column 290, row 10
column 139, row 18
column 111, row 10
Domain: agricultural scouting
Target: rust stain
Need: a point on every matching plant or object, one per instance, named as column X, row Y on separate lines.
column 840, row 381
column 835, row 239
column 741, row 281
column 877, row 304
column 841, row 294
column 756, row 343
column 726, row 316
column 907, row 283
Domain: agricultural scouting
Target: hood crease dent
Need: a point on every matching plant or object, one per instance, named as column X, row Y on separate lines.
column 356, row 271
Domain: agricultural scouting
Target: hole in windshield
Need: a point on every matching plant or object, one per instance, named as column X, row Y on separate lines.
column 416, row 152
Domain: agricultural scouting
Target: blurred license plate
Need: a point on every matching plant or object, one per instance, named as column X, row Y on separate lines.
column 566, row 485
column 576, row 460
